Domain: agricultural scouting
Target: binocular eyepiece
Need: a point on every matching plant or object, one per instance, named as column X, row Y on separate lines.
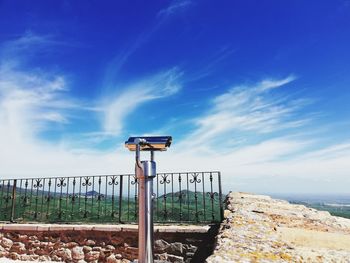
column 149, row 143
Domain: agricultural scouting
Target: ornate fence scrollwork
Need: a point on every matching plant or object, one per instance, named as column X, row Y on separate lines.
column 164, row 181
column 192, row 197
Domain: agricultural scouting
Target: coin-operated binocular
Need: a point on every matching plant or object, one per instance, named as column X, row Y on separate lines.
column 145, row 171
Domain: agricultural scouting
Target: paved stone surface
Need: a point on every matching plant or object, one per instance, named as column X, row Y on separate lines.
column 261, row 229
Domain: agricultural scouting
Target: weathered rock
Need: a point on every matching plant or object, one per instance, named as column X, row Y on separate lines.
column 31, row 251
column 34, row 244
column 18, row 247
column 34, row 257
column 40, row 252
column 72, row 244
column 26, row 257
column 97, row 248
column 14, row 256
column 44, row 258
column 55, row 258
column 9, row 235
column 6, row 243
column 132, row 251
column 87, row 249
column 110, row 247
column 22, row 238
column 118, row 256
column 191, row 248
column 4, row 254
column 175, row 259
column 261, row 229
column 104, row 253
column 112, row 259
column 65, row 254
column 33, row 238
column 78, row 253
column 163, row 256
column 90, row 242
column 175, row 249
column 92, row 256
column 116, row 241
column 161, row 245
column 44, row 244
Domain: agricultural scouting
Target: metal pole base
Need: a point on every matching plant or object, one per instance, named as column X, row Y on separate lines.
column 145, row 178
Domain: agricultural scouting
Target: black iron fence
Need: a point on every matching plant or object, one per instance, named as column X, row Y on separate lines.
column 190, row 197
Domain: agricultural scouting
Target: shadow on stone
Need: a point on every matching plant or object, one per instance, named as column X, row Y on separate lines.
column 206, row 248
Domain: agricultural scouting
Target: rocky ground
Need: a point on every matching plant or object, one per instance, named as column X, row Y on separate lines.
column 261, row 229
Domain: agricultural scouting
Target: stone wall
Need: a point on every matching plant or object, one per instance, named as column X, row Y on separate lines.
column 258, row 228
column 102, row 243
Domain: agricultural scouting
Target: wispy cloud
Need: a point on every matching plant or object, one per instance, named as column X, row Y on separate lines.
column 208, row 65
column 130, row 98
column 28, row 101
column 174, row 7
column 31, row 102
column 119, row 60
column 255, row 122
column 338, row 150
column 124, row 55
column 246, row 109
column 18, row 50
column 25, row 41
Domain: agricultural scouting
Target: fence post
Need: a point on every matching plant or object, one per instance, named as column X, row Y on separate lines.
column 120, row 198
column 13, row 200
column 220, row 198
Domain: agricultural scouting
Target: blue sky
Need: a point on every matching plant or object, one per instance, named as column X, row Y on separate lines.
column 256, row 89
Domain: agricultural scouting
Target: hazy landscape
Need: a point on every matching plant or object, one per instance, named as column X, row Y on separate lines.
column 337, row 205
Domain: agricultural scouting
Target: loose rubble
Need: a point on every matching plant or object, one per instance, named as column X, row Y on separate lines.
column 261, row 229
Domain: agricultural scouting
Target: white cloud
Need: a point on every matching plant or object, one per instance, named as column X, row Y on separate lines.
column 30, row 102
column 117, row 108
column 337, row 150
column 269, row 162
column 280, row 165
column 246, row 109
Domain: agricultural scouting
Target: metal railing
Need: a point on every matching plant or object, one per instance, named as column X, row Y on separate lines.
column 189, row 197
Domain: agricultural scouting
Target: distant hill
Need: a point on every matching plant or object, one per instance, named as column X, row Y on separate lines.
column 189, row 196
column 91, row 194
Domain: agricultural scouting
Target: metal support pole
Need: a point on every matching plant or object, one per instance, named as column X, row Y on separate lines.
column 145, row 172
